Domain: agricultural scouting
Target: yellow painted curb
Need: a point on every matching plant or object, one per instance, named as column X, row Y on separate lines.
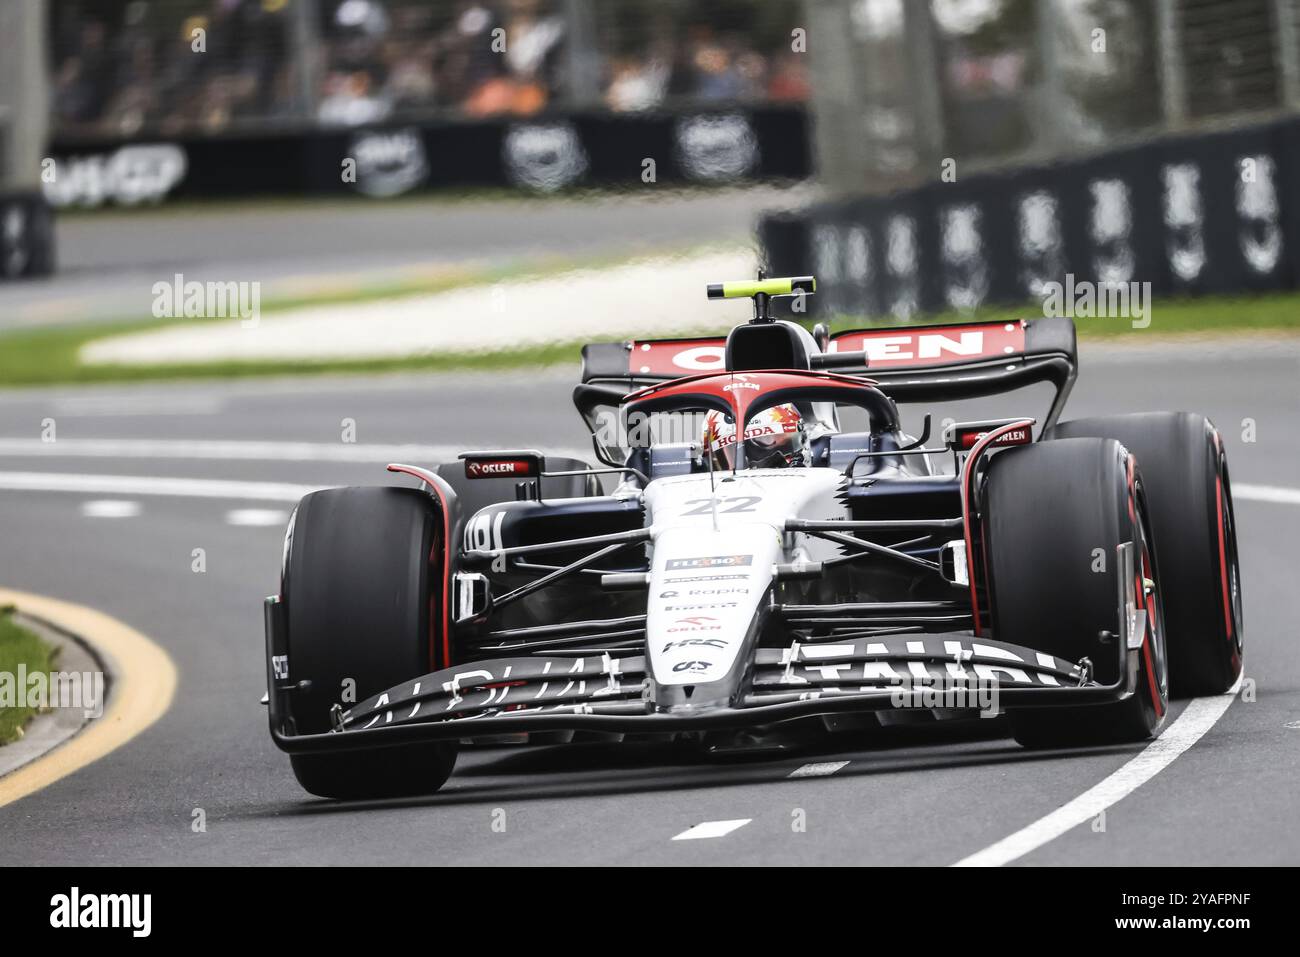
column 143, row 682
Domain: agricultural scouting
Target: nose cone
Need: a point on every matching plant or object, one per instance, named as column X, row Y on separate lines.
column 703, row 614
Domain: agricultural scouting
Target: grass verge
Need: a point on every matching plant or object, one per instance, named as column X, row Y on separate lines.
column 18, row 646
column 51, row 356
column 1209, row 315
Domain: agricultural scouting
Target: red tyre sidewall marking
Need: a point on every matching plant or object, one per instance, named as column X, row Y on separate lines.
column 1143, row 572
column 1223, row 557
column 967, row 476
column 1150, row 605
column 1219, row 528
column 445, row 582
column 433, row 613
column 1218, row 525
column 438, row 488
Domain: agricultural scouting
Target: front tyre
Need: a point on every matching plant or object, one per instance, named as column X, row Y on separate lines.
column 1185, row 468
column 361, row 588
column 1055, row 515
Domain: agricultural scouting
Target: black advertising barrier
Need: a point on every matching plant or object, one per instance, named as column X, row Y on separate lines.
column 543, row 153
column 26, row 235
column 1196, row 214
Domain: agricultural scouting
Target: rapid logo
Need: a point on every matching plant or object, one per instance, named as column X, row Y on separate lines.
column 712, row 561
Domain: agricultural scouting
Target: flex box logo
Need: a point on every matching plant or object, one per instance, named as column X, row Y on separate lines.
column 712, row 561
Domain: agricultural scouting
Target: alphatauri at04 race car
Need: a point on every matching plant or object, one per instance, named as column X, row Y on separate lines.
column 761, row 547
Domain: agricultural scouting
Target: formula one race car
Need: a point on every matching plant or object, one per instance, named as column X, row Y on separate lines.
column 773, row 551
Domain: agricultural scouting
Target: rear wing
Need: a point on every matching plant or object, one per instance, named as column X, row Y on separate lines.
column 909, row 363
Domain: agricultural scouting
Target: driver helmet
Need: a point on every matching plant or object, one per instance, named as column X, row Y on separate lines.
column 775, row 438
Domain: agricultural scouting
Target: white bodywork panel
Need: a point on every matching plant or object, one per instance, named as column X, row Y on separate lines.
column 714, row 542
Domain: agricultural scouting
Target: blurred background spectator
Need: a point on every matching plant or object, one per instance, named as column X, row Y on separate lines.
column 124, row 68
column 901, row 82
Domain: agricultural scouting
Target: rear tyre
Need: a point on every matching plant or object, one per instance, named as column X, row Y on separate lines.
column 1185, row 469
column 361, row 587
column 1054, row 516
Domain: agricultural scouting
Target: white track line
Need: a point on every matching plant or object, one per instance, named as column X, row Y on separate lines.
column 150, row 485
column 270, row 451
column 257, row 517
column 229, row 449
column 817, row 769
column 711, row 829
column 243, row 449
column 1267, row 493
column 155, row 485
column 1197, row 718
column 144, row 406
column 110, row 508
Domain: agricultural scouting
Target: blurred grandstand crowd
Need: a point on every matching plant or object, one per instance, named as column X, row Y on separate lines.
column 127, row 67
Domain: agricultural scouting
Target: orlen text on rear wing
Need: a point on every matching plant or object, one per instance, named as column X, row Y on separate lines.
column 613, row 370
column 910, row 363
column 951, row 362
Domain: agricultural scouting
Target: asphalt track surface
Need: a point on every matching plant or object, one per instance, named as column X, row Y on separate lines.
column 909, row 796
column 110, row 259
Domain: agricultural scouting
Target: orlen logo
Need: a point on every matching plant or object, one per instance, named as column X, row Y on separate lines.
column 493, row 468
column 670, row 357
column 960, row 344
column 741, row 383
column 701, row 358
column 967, row 439
column 694, row 623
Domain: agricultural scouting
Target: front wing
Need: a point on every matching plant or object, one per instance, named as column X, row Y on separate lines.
column 612, row 692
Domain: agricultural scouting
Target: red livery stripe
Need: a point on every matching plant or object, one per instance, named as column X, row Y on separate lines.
column 677, row 357
column 934, row 345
